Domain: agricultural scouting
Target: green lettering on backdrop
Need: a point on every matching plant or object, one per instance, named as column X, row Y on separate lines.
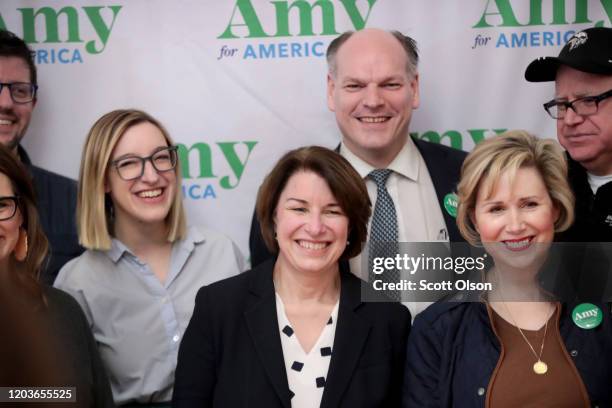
column 535, row 12
column 51, row 16
column 454, row 136
column 305, row 9
column 582, row 12
column 103, row 30
column 478, row 135
column 204, row 160
column 504, row 9
column 607, row 6
column 51, row 19
column 233, row 160
column 251, row 21
column 358, row 21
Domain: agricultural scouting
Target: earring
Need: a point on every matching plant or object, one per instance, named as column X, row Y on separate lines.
column 21, row 249
column 348, row 243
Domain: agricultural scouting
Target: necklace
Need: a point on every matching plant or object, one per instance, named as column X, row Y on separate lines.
column 539, row 367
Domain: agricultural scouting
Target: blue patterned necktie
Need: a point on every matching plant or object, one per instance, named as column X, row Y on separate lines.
column 383, row 231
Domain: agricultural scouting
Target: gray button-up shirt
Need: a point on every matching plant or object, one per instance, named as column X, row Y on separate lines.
column 138, row 321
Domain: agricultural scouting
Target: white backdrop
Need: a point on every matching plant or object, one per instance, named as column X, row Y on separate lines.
column 239, row 82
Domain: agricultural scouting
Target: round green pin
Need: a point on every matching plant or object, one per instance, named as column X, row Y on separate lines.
column 451, row 201
column 587, row 316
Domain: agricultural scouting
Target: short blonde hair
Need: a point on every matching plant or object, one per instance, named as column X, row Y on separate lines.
column 94, row 208
column 509, row 152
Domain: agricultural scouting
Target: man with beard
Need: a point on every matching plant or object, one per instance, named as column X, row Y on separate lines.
column 56, row 194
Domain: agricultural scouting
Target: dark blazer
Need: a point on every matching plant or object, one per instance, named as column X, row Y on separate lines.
column 453, row 351
column 231, row 353
column 589, row 237
column 593, row 212
column 50, row 346
column 444, row 166
column 56, row 198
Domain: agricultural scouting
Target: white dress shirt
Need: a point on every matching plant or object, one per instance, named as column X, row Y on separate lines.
column 419, row 217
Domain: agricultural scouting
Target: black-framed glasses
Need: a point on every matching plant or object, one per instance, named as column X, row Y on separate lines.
column 21, row 92
column 584, row 106
column 132, row 167
column 8, row 207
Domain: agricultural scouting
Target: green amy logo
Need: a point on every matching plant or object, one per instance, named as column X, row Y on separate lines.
column 199, row 166
column 100, row 18
column 245, row 15
column 501, row 13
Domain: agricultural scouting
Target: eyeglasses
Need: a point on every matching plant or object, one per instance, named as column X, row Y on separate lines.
column 585, row 106
column 8, row 207
column 21, row 92
column 132, row 167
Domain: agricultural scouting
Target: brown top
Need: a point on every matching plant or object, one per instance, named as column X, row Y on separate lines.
column 515, row 384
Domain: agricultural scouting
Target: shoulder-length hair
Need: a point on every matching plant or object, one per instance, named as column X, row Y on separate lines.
column 94, row 206
column 26, row 272
column 344, row 183
column 508, row 152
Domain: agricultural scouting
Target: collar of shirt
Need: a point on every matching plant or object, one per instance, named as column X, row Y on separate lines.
column 194, row 236
column 181, row 250
column 597, row 181
column 406, row 163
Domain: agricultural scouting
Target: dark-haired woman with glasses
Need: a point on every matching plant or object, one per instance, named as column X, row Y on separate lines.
column 138, row 279
column 45, row 340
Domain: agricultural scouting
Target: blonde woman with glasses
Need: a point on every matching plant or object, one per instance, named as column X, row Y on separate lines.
column 138, row 279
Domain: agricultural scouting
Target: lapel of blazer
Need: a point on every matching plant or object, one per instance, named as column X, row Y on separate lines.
column 351, row 334
column 444, row 182
column 263, row 327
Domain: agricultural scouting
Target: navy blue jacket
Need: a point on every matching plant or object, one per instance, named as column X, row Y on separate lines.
column 56, row 202
column 453, row 351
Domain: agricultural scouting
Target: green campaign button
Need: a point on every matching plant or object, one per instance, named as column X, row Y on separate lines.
column 451, row 201
column 587, row 316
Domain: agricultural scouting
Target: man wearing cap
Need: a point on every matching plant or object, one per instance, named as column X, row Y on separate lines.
column 56, row 194
column 583, row 109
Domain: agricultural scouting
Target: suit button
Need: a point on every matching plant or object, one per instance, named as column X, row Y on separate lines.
column 574, row 353
column 481, row 391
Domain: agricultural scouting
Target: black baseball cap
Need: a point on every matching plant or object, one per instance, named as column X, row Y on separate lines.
column 589, row 51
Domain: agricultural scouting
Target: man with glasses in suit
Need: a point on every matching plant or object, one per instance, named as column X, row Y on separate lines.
column 56, row 194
